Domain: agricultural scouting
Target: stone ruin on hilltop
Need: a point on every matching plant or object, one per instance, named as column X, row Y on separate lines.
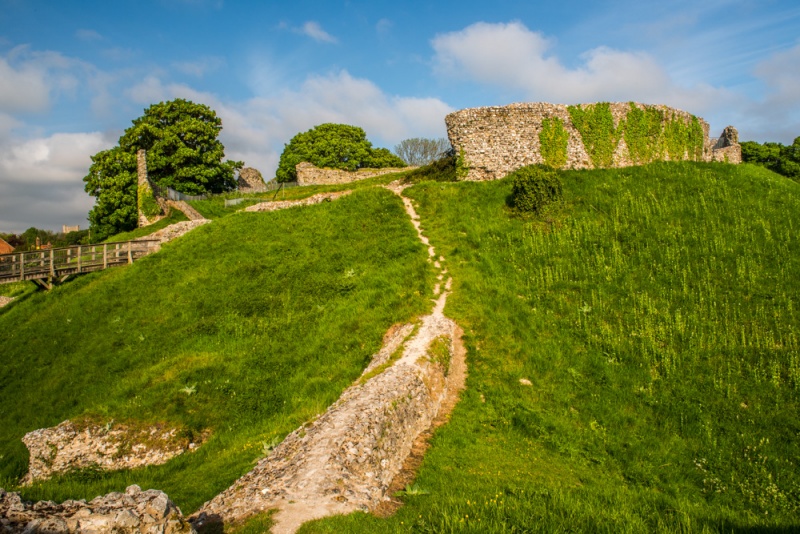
column 492, row 141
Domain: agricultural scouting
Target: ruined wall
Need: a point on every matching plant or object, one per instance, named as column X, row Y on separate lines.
column 250, row 180
column 151, row 209
column 309, row 174
column 132, row 512
column 492, row 141
column 69, row 447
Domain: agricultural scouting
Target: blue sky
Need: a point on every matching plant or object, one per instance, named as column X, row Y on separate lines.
column 73, row 74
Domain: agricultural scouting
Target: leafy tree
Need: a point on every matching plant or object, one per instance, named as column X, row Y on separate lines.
column 777, row 157
column 421, row 151
column 335, row 146
column 183, row 153
column 112, row 180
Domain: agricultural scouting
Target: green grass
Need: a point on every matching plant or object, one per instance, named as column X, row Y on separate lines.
column 17, row 289
column 214, row 207
column 248, row 326
column 655, row 312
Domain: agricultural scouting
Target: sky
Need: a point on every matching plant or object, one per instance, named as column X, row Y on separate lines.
column 74, row 74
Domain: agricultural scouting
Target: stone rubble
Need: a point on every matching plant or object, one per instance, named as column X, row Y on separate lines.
column 284, row 204
column 310, row 174
column 174, row 231
column 70, row 447
column 132, row 512
column 5, row 300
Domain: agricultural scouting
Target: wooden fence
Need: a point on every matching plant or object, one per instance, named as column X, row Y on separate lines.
column 47, row 266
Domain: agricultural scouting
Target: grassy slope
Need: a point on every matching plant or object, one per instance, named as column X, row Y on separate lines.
column 248, row 326
column 655, row 313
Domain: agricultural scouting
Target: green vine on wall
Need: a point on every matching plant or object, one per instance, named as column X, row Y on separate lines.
column 596, row 126
column 147, row 202
column 462, row 167
column 644, row 134
column 553, row 139
column 684, row 140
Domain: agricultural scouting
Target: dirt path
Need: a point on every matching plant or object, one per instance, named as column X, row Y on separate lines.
column 354, row 455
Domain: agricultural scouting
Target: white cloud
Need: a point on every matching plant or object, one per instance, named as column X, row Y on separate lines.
column 314, row 30
column 256, row 130
column 513, row 57
column 383, row 26
column 62, row 157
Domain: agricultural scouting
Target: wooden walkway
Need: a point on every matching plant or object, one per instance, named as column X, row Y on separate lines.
column 45, row 267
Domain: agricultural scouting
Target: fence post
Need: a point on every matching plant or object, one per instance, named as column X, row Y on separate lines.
column 130, row 255
column 22, row 266
column 105, row 256
column 52, row 267
column 79, row 258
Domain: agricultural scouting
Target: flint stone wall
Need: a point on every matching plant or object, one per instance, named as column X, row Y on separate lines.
column 69, row 447
column 310, row 174
column 250, row 180
column 132, row 512
column 497, row 140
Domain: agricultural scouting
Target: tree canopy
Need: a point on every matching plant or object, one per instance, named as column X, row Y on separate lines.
column 783, row 159
column 183, row 152
column 335, row 146
column 420, row 151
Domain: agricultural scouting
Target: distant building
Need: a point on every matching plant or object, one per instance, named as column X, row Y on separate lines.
column 5, row 248
column 67, row 229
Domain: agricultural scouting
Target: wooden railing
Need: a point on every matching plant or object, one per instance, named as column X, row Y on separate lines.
column 47, row 266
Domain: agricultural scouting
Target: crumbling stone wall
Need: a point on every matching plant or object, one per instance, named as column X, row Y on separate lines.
column 492, row 141
column 69, row 447
column 132, row 512
column 250, row 181
column 145, row 196
column 309, row 174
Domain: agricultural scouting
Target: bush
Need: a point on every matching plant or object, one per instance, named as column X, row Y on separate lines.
column 534, row 187
column 441, row 170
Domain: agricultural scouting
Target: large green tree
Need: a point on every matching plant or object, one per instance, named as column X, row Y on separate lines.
column 112, row 181
column 183, row 152
column 335, row 146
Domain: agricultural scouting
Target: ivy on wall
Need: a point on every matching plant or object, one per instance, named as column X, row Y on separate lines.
column 644, row 134
column 553, row 139
column 462, row 167
column 684, row 140
column 147, row 202
column 596, row 126
column 650, row 134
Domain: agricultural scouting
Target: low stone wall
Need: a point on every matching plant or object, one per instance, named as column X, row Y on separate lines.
column 69, row 447
column 492, row 141
column 309, row 174
column 132, row 512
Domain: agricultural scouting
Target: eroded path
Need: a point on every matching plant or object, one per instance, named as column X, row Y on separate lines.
column 352, row 457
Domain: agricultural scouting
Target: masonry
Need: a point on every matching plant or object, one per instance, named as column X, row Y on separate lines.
column 309, row 174
column 492, row 141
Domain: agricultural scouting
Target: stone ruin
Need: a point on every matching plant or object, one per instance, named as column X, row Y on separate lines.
column 310, row 174
column 493, row 141
column 250, row 181
column 132, row 512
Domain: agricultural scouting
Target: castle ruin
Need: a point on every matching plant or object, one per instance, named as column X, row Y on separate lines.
column 492, row 141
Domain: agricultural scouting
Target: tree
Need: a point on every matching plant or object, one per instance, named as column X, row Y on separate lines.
column 779, row 158
column 183, row 152
column 335, row 146
column 112, row 180
column 420, row 151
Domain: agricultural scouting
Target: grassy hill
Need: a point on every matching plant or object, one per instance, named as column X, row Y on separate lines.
column 248, row 326
column 653, row 312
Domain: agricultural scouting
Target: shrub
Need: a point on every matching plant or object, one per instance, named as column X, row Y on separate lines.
column 441, row 170
column 534, row 187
